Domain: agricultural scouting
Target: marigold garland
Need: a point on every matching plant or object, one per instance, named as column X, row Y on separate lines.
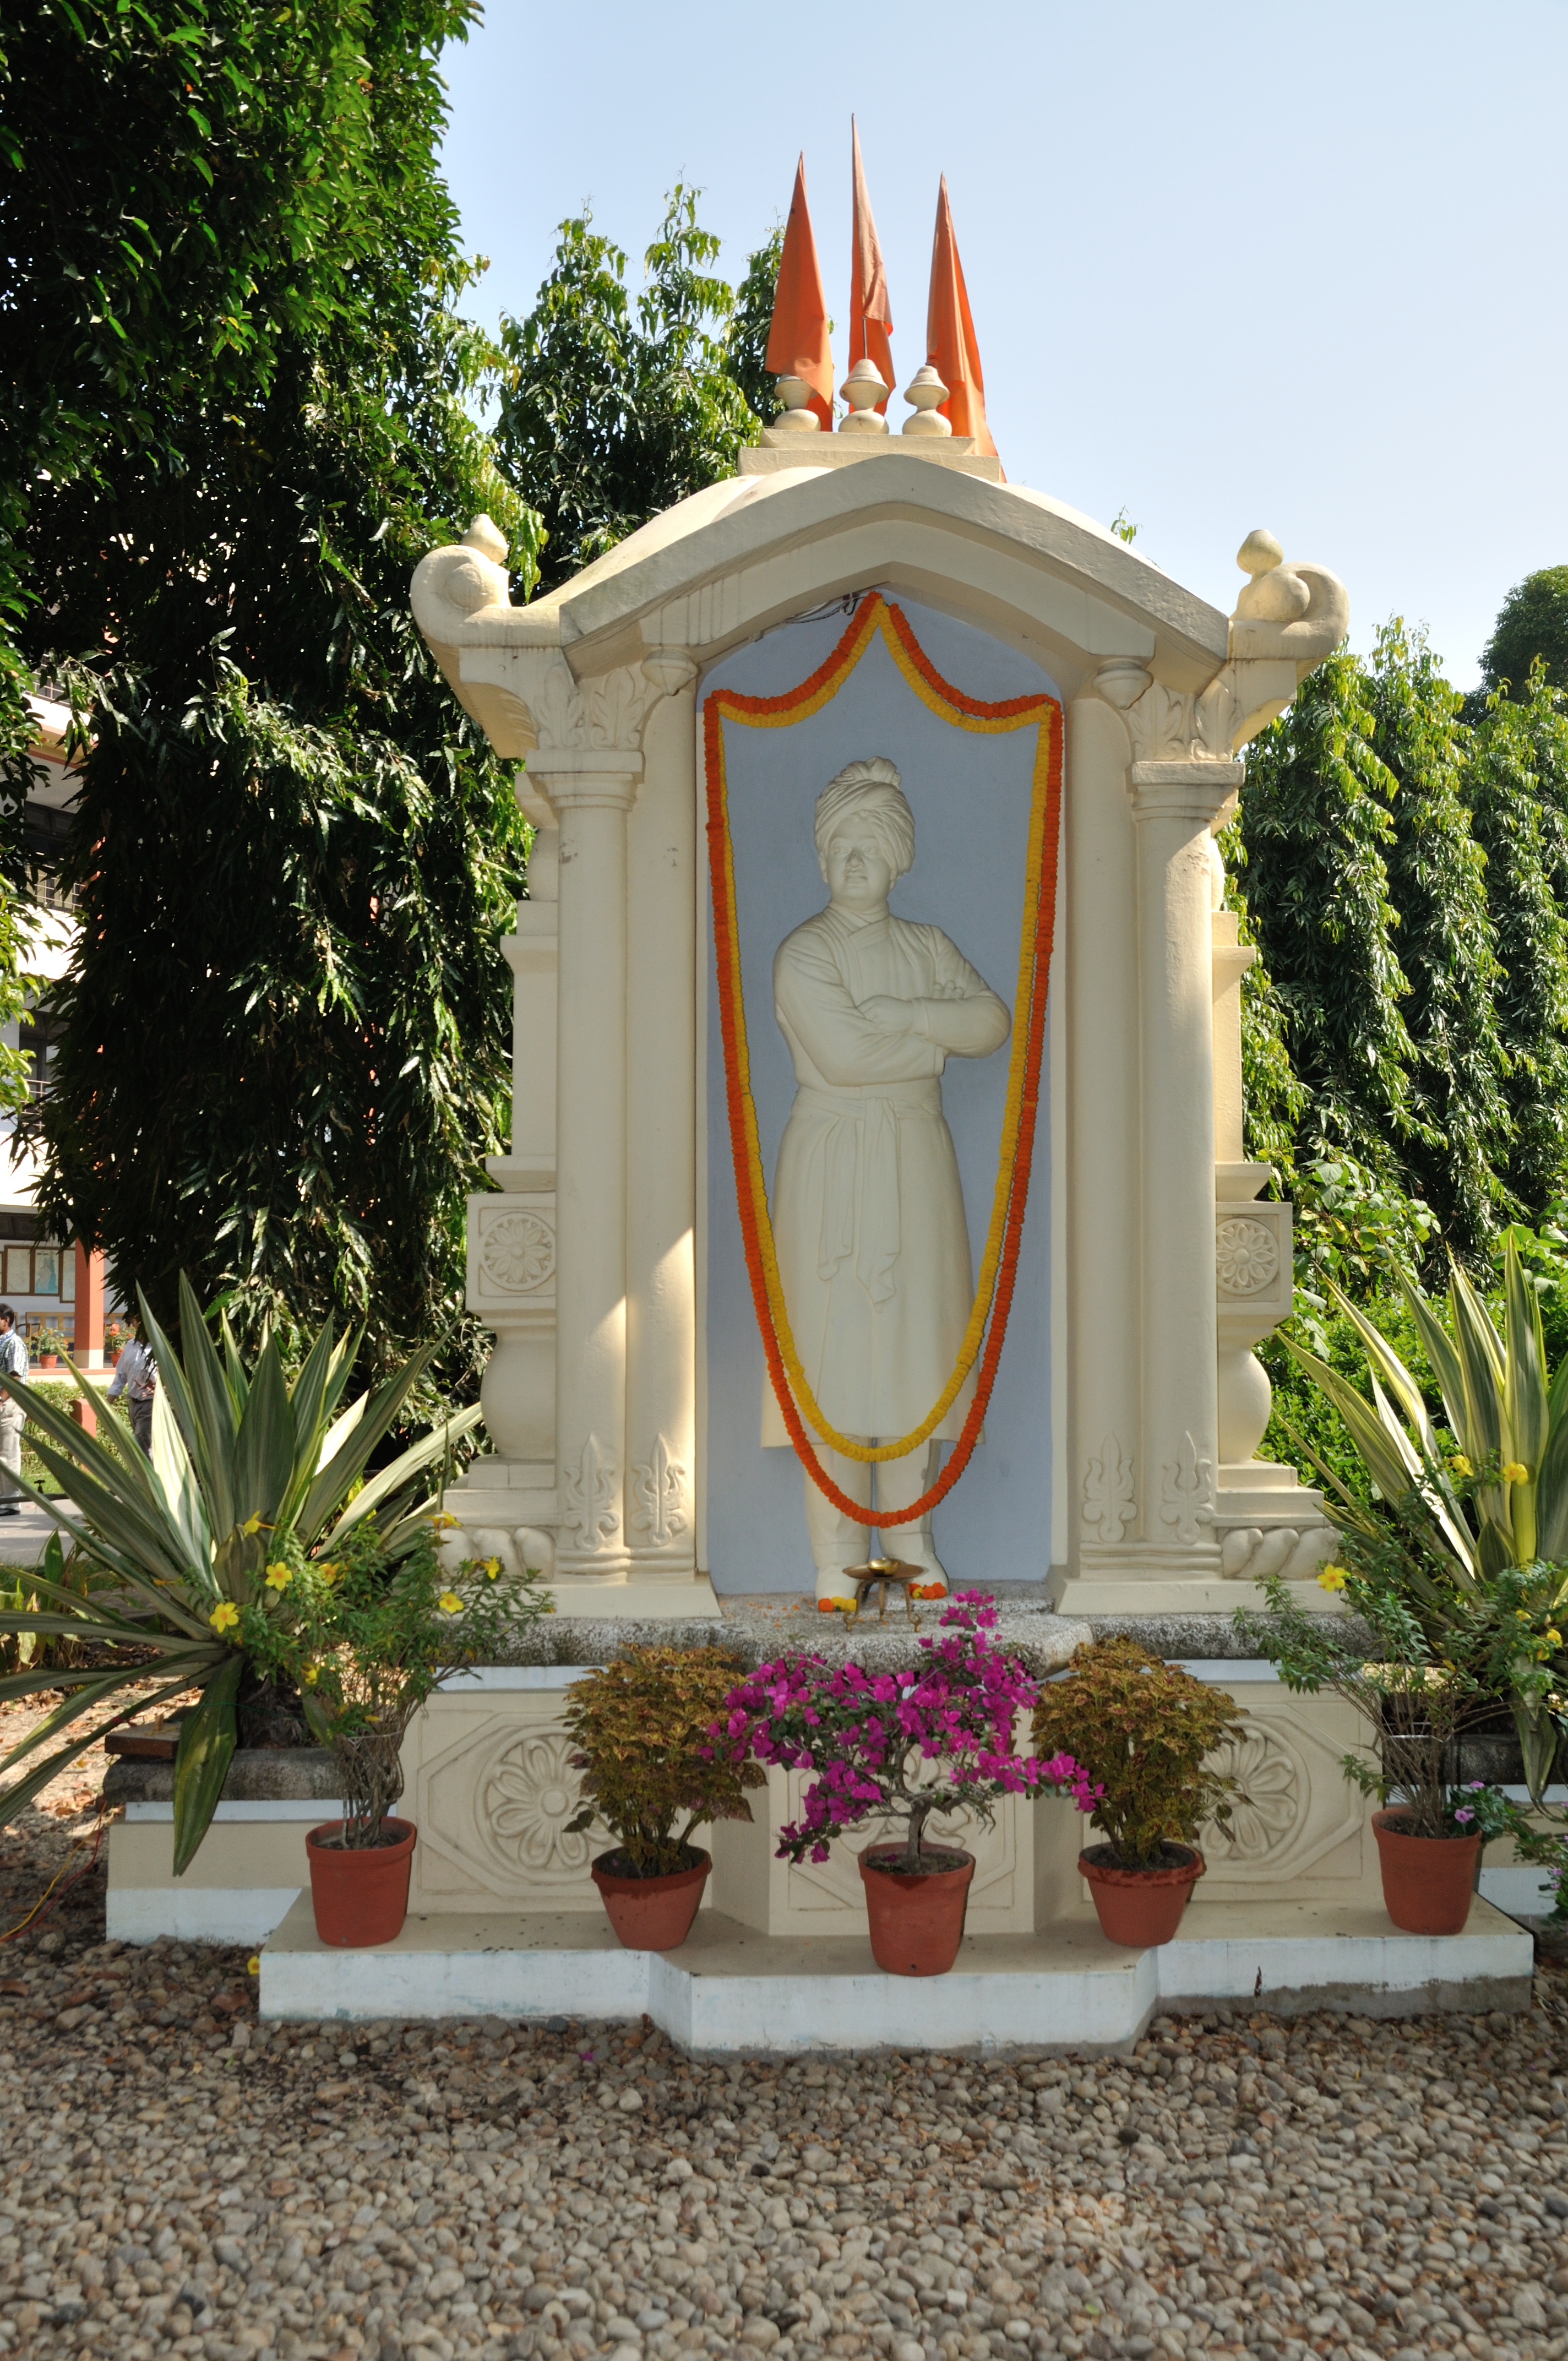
column 993, row 1293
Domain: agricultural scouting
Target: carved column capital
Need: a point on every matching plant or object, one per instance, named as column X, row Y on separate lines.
column 1195, row 792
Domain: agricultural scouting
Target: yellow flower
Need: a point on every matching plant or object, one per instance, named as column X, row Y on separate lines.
column 253, row 1965
column 491, row 1565
column 253, row 1525
column 312, row 1674
column 279, row 1575
column 442, row 1523
column 330, row 1572
column 224, row 1618
column 1333, row 1577
column 1515, row 1472
column 1520, row 1614
column 1554, row 1636
column 1460, row 1466
column 449, row 1603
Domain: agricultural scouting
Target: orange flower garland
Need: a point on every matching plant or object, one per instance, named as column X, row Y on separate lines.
column 999, row 1267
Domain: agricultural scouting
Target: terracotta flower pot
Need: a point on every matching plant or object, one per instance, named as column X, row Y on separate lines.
column 917, row 1922
column 1428, row 1882
column 359, row 1894
column 48, row 1360
column 1140, row 1907
column 651, row 1913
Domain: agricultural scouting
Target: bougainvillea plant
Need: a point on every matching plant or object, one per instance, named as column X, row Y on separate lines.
column 930, row 1740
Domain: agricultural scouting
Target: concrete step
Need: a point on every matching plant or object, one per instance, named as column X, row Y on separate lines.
column 729, row 1991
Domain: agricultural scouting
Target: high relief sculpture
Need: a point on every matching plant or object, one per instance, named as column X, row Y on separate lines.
column 868, row 1205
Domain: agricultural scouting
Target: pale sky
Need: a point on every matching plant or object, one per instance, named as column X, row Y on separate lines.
column 1230, row 265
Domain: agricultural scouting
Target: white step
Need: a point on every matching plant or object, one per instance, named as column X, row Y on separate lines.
column 731, row 1991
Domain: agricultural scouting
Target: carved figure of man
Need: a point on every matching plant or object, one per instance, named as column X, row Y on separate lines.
column 867, row 1206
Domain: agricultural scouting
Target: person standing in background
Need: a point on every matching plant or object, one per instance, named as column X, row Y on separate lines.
column 13, row 1364
column 135, row 1375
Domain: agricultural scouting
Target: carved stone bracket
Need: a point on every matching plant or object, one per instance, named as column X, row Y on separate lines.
column 1289, row 616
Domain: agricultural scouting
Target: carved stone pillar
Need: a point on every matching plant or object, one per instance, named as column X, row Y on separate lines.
column 1173, row 804
column 1104, row 1443
column 591, row 792
column 661, row 1101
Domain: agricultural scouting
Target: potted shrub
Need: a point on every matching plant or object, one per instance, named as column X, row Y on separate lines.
column 1143, row 1732
column 51, row 1348
column 1416, row 1703
column 641, row 1726
column 933, row 1739
column 367, row 1639
column 247, row 1469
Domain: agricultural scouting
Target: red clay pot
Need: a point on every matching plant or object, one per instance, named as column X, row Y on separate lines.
column 1141, row 1907
column 916, row 1923
column 651, row 1913
column 1428, row 1882
column 48, row 1360
column 360, row 1894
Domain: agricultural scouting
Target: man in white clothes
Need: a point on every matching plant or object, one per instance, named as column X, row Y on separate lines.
column 13, row 1364
column 136, row 1376
column 868, row 1205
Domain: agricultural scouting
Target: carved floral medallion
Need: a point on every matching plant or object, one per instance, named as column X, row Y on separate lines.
column 1248, row 1255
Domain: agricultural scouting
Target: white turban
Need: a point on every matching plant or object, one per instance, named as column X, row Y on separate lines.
column 873, row 795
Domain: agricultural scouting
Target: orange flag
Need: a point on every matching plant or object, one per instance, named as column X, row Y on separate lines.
column 950, row 345
column 797, row 340
column 870, row 322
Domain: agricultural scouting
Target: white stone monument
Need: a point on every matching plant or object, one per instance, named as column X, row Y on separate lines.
column 1117, row 1459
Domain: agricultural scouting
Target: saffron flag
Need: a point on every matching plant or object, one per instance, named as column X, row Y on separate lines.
column 797, row 340
column 950, row 345
column 870, row 321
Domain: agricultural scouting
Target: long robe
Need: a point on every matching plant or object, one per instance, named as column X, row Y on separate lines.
column 868, row 1207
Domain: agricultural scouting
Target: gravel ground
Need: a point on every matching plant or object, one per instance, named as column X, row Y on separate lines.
column 178, row 2177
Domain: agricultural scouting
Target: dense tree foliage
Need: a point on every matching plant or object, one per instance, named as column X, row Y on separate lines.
column 613, row 410
column 1405, row 875
column 1314, row 836
column 244, row 407
column 1533, row 624
column 1436, row 884
column 284, row 1044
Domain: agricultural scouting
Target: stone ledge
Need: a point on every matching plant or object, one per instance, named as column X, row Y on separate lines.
column 257, row 1774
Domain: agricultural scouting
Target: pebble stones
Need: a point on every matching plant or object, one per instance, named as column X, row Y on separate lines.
column 186, row 2181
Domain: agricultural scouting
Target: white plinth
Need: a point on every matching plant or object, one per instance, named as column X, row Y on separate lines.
column 731, row 1991
column 631, row 1600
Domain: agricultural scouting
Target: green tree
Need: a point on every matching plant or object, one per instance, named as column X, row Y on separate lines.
column 1315, row 836
column 285, row 1030
column 746, row 346
column 1532, row 621
column 1437, row 886
column 1518, row 753
column 611, row 412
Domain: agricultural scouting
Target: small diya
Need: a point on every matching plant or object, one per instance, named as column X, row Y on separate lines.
column 882, row 1575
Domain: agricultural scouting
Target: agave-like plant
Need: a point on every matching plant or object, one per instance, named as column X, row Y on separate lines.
column 1499, row 1501
column 241, row 1461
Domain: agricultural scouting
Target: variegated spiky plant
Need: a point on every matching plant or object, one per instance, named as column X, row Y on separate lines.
column 242, row 1460
column 1494, row 1502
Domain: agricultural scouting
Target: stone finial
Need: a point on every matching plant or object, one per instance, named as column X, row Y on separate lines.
column 1260, row 553
column 923, row 394
column 484, row 535
column 1276, row 593
column 863, row 387
column 797, row 418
